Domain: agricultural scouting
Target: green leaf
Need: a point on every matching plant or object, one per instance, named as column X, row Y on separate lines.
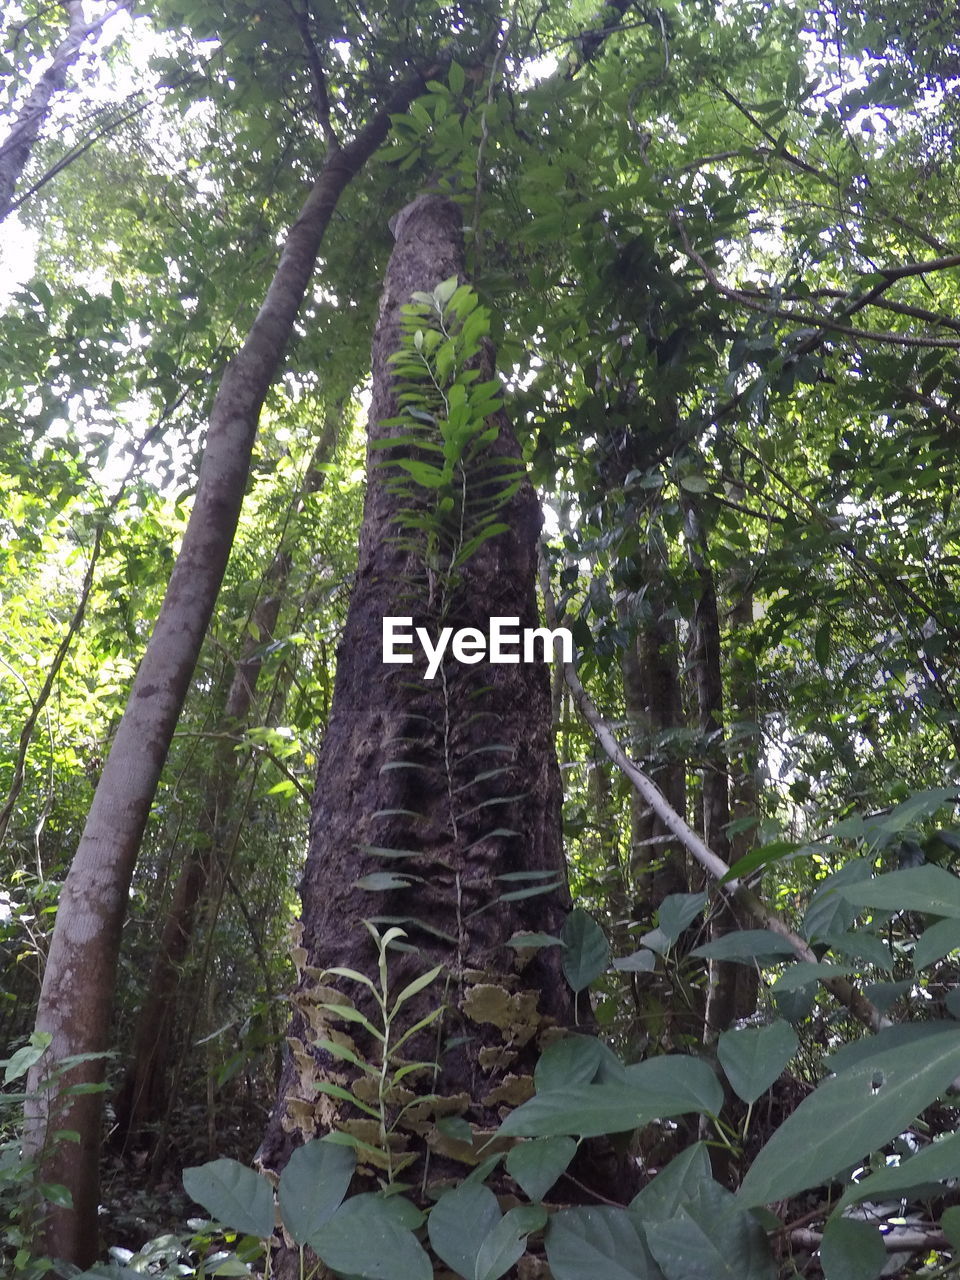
column 507, row 1242
column 803, row 972
column 673, row 1186
column 929, row 888
column 868, row 1046
column 708, row 1239
column 366, row 1239
column 677, row 911
column 950, row 1225
column 537, row 1163
column 851, row 1250
column 754, row 1057
column 695, row 484
column 821, row 644
column 19, row 1063
column 571, row 1060
column 459, row 1223
column 521, row 940
column 642, row 961
column 849, row 1116
column 598, row 1241
column 233, row 1195
column 673, row 1076
column 587, row 952
column 57, row 1194
column 381, row 881
column 934, row 1163
column 747, row 946
column 313, row 1185
column 417, row 985
column 936, row 942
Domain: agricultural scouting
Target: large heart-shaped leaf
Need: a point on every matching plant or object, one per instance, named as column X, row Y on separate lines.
column 507, row 1242
column 929, row 888
column 708, row 1239
column 754, row 1056
column 313, row 1185
column 586, row 950
column 851, row 1250
column 459, row 1223
column 233, row 1195
column 849, row 1116
column 366, row 1239
column 598, row 1241
column 673, row 1186
column 537, row 1163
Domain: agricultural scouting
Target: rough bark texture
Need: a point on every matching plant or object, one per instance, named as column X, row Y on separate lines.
column 76, row 998
column 399, row 769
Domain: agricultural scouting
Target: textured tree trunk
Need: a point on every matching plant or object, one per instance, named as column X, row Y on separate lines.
column 76, row 998
column 23, row 133
column 143, row 1098
column 404, row 766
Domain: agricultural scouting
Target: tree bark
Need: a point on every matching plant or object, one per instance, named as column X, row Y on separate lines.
column 23, row 133
column 76, row 998
column 403, row 766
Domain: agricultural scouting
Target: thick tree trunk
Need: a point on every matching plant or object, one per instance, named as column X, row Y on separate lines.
column 404, row 766
column 17, row 145
column 76, row 999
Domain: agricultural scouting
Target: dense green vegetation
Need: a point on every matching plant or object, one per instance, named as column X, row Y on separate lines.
column 716, row 249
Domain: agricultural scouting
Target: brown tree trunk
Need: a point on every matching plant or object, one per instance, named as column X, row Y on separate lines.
column 142, row 1099
column 403, row 767
column 76, row 998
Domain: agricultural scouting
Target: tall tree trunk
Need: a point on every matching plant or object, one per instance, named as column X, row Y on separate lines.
column 143, row 1096
column 76, row 998
column 16, row 147
column 460, row 771
column 706, row 662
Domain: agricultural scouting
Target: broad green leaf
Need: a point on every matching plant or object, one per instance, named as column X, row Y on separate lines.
column 862, row 946
column 851, row 1250
column 747, row 946
column 673, row 1186
column 867, row 1047
column 520, row 940
column 574, row 1059
column 507, row 1242
column 708, row 1239
column 929, row 889
column 677, row 911
column 828, row 911
column 672, row 1076
column 313, row 1185
column 936, row 942
column 233, row 1195
column 642, row 961
column 754, row 1057
column 19, row 1063
column 934, row 1163
column 365, row 1238
column 600, row 1242
column 849, row 1116
column 459, row 1223
column 950, row 1225
column 587, row 952
column 537, row 1163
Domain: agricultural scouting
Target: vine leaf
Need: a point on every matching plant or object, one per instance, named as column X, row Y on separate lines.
column 232, row 1194
column 587, row 952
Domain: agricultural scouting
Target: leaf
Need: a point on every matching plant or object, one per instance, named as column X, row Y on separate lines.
column 754, row 1057
column 677, row 911
column 521, row 940
column 459, row 1223
column 867, row 1047
column 673, row 1186
column 19, row 1063
column 803, row 972
column 233, row 1195
column 929, row 888
column 936, row 942
column 849, row 1116
column 695, row 484
column 851, row 1250
column 381, row 881
column 587, row 951
column 598, row 1241
column 821, row 644
column 537, row 1163
column 934, row 1163
column 416, row 986
column 708, row 1239
column 673, row 1076
column 313, row 1185
column 365, row 1239
column 642, row 961
column 747, row 946
column 571, row 1060
column 507, row 1242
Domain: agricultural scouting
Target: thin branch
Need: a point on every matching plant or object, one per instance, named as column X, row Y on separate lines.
column 844, row 991
column 321, row 97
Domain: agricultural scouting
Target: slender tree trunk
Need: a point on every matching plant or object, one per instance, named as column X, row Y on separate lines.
column 16, row 147
column 143, row 1096
column 405, row 765
column 76, row 998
